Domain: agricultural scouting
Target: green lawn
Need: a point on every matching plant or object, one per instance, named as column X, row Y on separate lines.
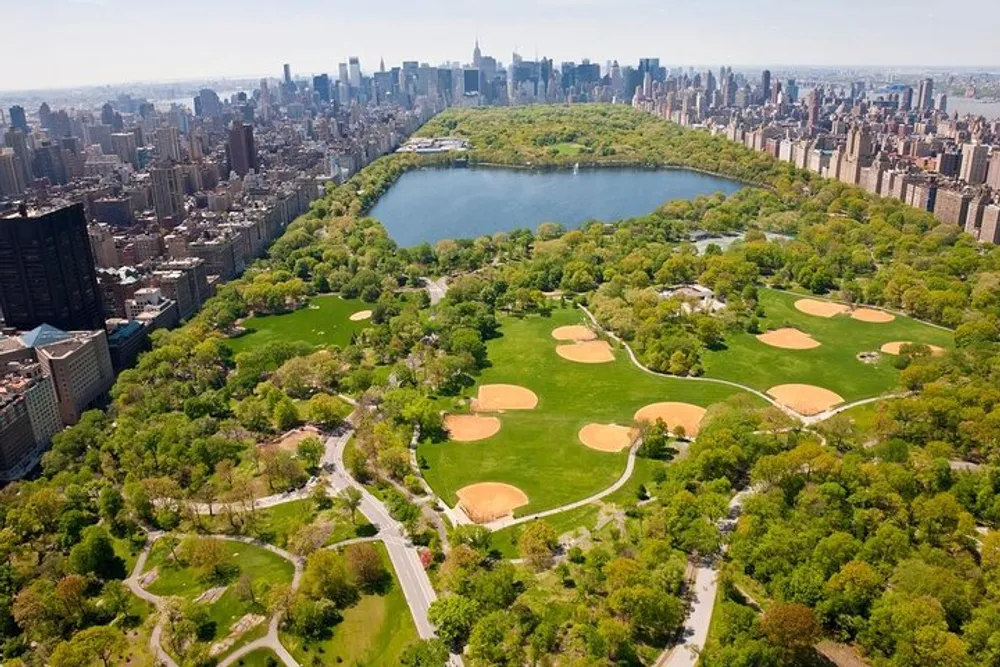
column 833, row 365
column 538, row 450
column 259, row 564
column 373, row 633
column 568, row 148
column 259, row 658
column 324, row 321
column 505, row 541
column 278, row 523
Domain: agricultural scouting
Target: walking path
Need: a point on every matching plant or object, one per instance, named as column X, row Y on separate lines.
column 268, row 641
column 437, row 289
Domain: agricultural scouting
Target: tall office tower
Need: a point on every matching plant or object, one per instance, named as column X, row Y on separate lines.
column 815, row 102
column 975, row 159
column 18, row 119
column 765, row 86
column 925, row 100
column 242, row 152
column 354, row 69
column 791, row 91
column 11, row 177
column 124, row 146
column 321, row 85
column 207, row 103
column 168, row 143
column 942, row 103
column 168, row 191
column 906, row 100
column 47, row 272
column 288, row 74
column 17, row 140
column 48, row 163
column 342, row 73
column 477, row 54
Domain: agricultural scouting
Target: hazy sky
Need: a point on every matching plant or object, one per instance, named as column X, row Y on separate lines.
column 77, row 42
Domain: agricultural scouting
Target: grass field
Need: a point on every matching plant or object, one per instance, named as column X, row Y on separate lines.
column 538, row 450
column 281, row 521
column 373, row 633
column 262, row 657
column 324, row 321
column 833, row 365
column 505, row 540
column 259, row 564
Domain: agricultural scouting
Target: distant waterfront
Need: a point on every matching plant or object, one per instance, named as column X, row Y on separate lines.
column 434, row 204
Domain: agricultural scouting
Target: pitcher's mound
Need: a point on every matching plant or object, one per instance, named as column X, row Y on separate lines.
column 361, row 316
column 487, row 501
column 674, row 415
column 805, row 399
column 593, row 352
column 789, row 339
column 896, row 347
column 575, row 332
column 607, row 437
column 497, row 397
column 872, row 315
column 820, row 308
column 470, row 428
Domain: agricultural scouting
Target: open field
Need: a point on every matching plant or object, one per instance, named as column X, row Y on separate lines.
column 259, row 564
column 325, row 320
column 539, row 451
column 832, row 365
column 373, row 633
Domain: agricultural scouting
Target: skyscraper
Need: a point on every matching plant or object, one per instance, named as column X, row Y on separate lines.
column 242, row 152
column 477, row 54
column 906, row 99
column 168, row 143
column 975, row 159
column 288, row 74
column 168, row 191
column 765, row 86
column 18, row 119
column 321, row 84
column 925, row 100
column 354, row 69
column 47, row 273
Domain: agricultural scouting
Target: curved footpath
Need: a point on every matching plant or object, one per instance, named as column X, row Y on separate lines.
column 268, row 641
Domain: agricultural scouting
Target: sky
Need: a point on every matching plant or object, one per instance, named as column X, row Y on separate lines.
column 63, row 43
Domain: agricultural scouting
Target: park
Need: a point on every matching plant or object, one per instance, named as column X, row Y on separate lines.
column 324, row 320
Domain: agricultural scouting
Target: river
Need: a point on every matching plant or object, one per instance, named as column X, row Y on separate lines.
column 434, row 204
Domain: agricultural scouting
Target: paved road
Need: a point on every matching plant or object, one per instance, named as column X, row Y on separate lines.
column 437, row 289
column 405, row 559
column 687, row 652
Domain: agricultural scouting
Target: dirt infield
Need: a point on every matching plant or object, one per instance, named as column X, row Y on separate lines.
column 674, row 415
column 592, row 352
column 896, row 347
column 470, row 428
column 498, row 397
column 361, row 316
column 873, row 316
column 820, row 308
column 805, row 399
column 789, row 339
column 607, row 437
column 289, row 442
column 487, row 501
column 575, row 332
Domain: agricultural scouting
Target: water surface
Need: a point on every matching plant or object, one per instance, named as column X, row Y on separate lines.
column 434, row 204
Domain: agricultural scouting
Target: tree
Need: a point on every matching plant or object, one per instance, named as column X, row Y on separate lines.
column 351, row 498
column 364, row 563
column 791, row 627
column 496, row 640
column 538, row 544
column 311, row 451
column 95, row 554
column 454, row 616
column 284, row 414
column 326, row 411
column 425, row 653
column 96, row 644
column 326, row 577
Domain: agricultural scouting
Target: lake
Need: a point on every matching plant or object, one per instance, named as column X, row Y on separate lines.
column 434, row 204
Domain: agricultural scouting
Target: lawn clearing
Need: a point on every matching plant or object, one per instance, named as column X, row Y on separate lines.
column 505, row 541
column 834, row 365
column 260, row 565
column 325, row 320
column 373, row 633
column 539, row 451
column 262, row 657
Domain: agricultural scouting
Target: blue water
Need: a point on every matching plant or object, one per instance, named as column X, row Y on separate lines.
column 435, row 204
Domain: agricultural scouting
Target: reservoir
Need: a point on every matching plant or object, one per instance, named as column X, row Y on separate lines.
column 429, row 205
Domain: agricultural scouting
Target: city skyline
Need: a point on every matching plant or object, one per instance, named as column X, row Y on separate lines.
column 777, row 32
